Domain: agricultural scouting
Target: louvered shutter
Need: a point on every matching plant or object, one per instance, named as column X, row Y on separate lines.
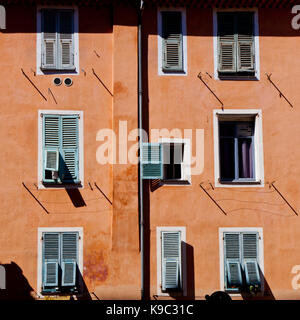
column 245, row 41
column 250, row 257
column 151, row 161
column 232, row 260
column 66, row 41
column 70, row 149
column 226, row 42
column 172, row 41
column 50, row 259
column 49, row 39
column 171, row 260
column 69, row 258
column 51, row 143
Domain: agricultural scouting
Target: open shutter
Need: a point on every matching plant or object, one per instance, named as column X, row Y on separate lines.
column 66, row 39
column 151, row 161
column 250, row 255
column 51, row 143
column 245, row 30
column 171, row 260
column 49, row 39
column 70, row 146
column 226, row 42
column 172, row 41
column 69, row 258
column 50, row 259
column 232, row 261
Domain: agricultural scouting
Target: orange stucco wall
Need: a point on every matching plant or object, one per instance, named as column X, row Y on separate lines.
column 184, row 102
column 110, row 248
column 108, row 44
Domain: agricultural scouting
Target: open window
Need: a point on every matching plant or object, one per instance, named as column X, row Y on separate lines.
column 168, row 160
column 59, row 154
column 238, row 148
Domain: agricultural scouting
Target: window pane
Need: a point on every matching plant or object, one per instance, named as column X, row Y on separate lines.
column 227, row 158
column 173, row 157
column 245, row 158
column 227, row 129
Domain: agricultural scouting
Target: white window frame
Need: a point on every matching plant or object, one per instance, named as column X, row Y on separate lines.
column 258, row 148
column 256, row 42
column 40, row 253
column 39, row 71
column 160, row 41
column 221, row 254
column 40, row 148
column 185, row 165
column 159, row 230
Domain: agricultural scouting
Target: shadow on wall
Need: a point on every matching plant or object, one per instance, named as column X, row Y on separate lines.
column 17, row 286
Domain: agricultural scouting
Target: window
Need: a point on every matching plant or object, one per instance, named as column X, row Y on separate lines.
column 241, row 261
column 59, row 262
column 236, row 42
column 57, row 39
column 168, row 161
column 238, row 148
column 60, row 148
column 172, row 41
column 171, row 257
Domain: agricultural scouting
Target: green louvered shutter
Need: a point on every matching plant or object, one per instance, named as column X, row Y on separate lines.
column 51, row 144
column 70, row 149
column 151, row 161
column 232, row 261
column 50, row 259
column 226, row 42
column 66, row 41
column 49, row 39
column 171, row 260
column 245, row 41
column 250, row 257
column 69, row 258
column 172, row 41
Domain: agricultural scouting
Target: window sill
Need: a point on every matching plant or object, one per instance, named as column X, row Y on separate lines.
column 56, row 185
column 241, row 182
column 176, row 182
column 238, row 77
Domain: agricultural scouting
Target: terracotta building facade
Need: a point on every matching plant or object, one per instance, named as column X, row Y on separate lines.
column 212, row 205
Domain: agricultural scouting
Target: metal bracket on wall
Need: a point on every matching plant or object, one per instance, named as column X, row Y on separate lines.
column 214, row 201
column 200, row 77
column 36, row 88
column 35, row 198
column 280, row 93
column 275, row 188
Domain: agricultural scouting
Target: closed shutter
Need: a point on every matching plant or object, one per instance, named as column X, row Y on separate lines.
column 171, row 260
column 50, row 259
column 172, row 41
column 69, row 258
column 49, row 41
column 151, row 161
column 245, row 30
column 250, row 257
column 232, row 260
column 226, row 42
column 69, row 133
column 66, row 40
column 51, row 143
